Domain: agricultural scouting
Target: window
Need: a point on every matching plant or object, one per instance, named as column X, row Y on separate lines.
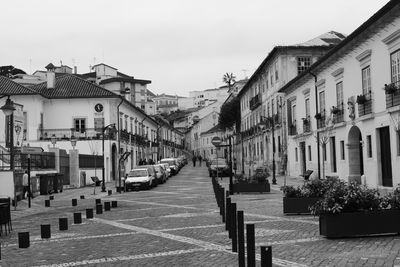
column 25, row 128
column 333, row 154
column 276, row 72
column 279, row 144
column 80, row 125
column 258, row 149
column 322, row 102
column 395, row 66
column 303, row 63
column 309, row 153
column 324, row 151
column 307, row 107
column 369, row 146
column 366, row 80
column 262, row 148
column 339, row 95
column 342, row 150
column 295, row 154
column 267, row 80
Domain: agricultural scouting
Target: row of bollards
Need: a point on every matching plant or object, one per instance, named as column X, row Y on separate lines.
column 45, row 229
column 234, row 224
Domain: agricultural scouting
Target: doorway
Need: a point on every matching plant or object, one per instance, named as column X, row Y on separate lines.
column 385, row 157
column 356, row 161
column 303, row 165
column 113, row 161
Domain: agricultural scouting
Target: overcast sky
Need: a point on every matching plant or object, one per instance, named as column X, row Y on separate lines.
column 180, row 45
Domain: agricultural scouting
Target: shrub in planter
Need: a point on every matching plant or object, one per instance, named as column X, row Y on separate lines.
column 354, row 210
column 361, row 99
column 390, row 88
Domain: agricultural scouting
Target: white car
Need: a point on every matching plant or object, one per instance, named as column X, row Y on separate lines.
column 167, row 169
column 139, row 178
column 173, row 165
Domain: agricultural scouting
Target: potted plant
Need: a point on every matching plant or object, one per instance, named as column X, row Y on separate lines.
column 305, row 121
column 390, row 88
column 361, row 99
column 335, row 110
column 345, row 209
column 257, row 183
column 298, row 200
column 318, row 116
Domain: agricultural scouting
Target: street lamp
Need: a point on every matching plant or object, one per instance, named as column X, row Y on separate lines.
column 112, row 127
column 53, row 140
column 271, row 120
column 8, row 110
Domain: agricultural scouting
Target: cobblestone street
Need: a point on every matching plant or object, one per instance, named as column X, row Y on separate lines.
column 178, row 224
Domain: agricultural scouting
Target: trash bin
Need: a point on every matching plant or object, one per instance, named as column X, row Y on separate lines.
column 58, row 182
column 46, row 183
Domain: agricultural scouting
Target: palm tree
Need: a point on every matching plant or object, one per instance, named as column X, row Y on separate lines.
column 229, row 79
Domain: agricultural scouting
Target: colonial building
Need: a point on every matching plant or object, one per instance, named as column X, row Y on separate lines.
column 262, row 105
column 343, row 113
column 166, row 103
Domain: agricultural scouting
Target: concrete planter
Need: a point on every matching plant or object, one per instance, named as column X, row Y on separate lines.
column 251, row 187
column 361, row 223
column 294, row 205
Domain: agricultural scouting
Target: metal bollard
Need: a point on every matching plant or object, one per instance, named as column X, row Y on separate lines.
column 98, row 201
column 74, row 202
column 45, row 231
column 77, row 218
column 109, row 192
column 89, row 213
column 23, row 240
column 51, row 197
column 107, row 206
column 63, row 224
column 251, row 253
column 233, row 227
column 227, row 220
column 266, row 256
column 114, row 204
column 240, row 228
column 47, row 202
column 82, row 197
column 99, row 209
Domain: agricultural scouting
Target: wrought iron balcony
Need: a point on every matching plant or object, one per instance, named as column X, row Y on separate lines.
column 255, row 102
column 306, row 124
column 292, row 129
column 320, row 117
column 81, row 134
column 364, row 102
column 392, row 92
column 338, row 113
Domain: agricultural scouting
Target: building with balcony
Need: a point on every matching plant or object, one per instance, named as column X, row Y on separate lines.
column 261, row 101
column 349, row 99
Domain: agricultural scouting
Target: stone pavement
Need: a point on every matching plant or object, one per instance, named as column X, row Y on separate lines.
column 178, row 224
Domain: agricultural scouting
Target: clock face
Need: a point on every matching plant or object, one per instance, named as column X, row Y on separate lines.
column 98, row 107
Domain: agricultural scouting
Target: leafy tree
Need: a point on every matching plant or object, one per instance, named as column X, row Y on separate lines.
column 9, row 71
column 230, row 114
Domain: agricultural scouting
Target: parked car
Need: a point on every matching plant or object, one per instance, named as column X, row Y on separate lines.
column 160, row 173
column 172, row 164
column 167, row 169
column 152, row 172
column 219, row 166
column 139, row 178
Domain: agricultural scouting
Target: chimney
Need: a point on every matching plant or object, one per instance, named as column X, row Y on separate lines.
column 51, row 76
column 75, row 70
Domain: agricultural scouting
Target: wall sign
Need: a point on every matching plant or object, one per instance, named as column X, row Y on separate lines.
column 98, row 107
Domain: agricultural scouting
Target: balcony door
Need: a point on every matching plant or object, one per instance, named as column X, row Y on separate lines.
column 385, row 157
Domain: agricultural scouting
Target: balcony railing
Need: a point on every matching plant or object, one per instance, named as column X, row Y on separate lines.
column 392, row 92
column 255, row 102
column 292, row 129
column 364, row 102
column 306, row 124
column 65, row 134
column 338, row 113
column 320, row 117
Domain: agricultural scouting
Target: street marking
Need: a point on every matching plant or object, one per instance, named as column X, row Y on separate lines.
column 291, row 241
column 188, row 215
column 281, row 218
column 162, row 204
column 203, row 244
column 125, row 258
column 193, row 227
column 61, row 239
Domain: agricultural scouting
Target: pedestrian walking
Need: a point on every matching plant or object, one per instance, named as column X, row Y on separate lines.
column 25, row 184
column 200, row 159
column 194, row 158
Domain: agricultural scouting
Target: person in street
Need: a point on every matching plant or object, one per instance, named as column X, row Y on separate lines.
column 25, row 184
column 200, row 159
column 194, row 158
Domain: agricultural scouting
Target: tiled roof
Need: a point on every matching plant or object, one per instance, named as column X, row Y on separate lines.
column 216, row 128
column 71, row 86
column 9, row 87
column 150, row 93
column 329, row 38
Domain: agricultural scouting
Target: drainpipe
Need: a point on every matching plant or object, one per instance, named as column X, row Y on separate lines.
column 119, row 146
column 316, row 111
